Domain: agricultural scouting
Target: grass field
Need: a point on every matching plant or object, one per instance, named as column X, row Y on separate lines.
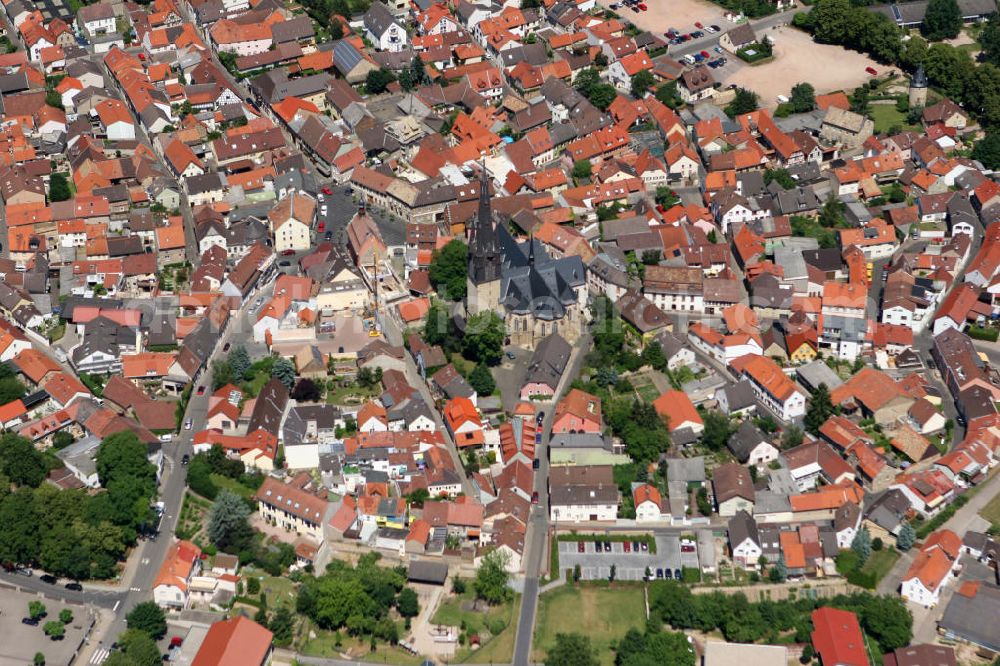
column 603, row 614
column 880, row 562
column 500, row 647
column 277, row 588
column 325, row 645
column 887, row 116
column 991, row 511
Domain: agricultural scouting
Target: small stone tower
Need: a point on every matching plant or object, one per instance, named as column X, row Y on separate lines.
column 918, row 88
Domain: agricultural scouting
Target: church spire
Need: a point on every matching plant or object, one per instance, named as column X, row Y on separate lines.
column 484, row 246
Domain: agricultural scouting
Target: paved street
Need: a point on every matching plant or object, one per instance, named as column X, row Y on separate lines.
column 965, row 519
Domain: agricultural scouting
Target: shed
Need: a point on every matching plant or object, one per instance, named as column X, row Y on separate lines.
column 433, row 573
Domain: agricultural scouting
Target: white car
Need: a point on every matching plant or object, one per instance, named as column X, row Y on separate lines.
column 322, row 210
column 689, row 59
column 188, row 424
column 710, row 30
column 320, row 196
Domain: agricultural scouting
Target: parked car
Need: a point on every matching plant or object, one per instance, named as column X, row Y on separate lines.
column 645, row 546
column 534, row 497
column 642, row 7
column 288, row 253
column 535, row 463
column 327, row 191
column 698, row 25
column 607, row 546
column 718, row 49
column 697, row 34
column 871, row 70
column 706, row 54
column 284, row 264
column 201, row 390
column 699, row 57
column 74, row 586
column 30, row 621
column 667, row 574
column 711, row 29
column 659, row 573
column 321, row 227
column 635, row 546
column 226, row 346
column 188, row 424
column 716, row 28
column 328, row 235
column 185, row 459
column 49, row 578
column 628, row 546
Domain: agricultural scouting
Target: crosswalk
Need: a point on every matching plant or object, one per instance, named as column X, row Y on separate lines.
column 100, row 656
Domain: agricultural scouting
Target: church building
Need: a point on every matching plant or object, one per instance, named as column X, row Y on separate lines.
column 539, row 295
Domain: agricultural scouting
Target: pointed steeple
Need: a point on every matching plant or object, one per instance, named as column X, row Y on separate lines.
column 484, row 246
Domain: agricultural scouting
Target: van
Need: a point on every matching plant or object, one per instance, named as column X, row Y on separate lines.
column 782, row 99
column 167, row 438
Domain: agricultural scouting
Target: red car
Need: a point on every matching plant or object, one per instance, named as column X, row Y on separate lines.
column 534, row 497
column 288, row 253
column 201, row 390
column 871, row 70
column 642, row 7
column 706, row 54
column 699, row 26
column 321, row 227
column 327, row 191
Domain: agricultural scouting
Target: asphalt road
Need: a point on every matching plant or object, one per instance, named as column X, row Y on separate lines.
column 537, row 536
column 709, row 41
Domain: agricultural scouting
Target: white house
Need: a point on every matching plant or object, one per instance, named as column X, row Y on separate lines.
column 116, row 120
column 936, row 562
column 744, row 540
column 183, row 562
column 772, row 386
column 383, row 29
column 648, row 503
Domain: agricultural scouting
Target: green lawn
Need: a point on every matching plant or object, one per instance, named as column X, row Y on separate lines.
column 344, row 395
column 499, row 647
column 277, row 588
column 325, row 645
column 224, row 482
column 991, row 511
column 880, row 562
column 887, row 116
column 603, row 614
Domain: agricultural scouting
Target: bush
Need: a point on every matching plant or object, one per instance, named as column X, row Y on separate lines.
column 981, row 333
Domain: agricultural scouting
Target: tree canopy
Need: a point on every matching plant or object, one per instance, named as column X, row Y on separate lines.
column 654, row 647
column 484, row 337
column 745, row 101
column 642, row 81
column 449, row 270
column 572, row 650
column 378, row 81
column 227, row 521
column 943, row 20
column 149, row 618
column 492, row 578
column 481, row 379
column 802, row 98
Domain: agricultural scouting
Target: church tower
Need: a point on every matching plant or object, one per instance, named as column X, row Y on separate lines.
column 918, row 89
column 483, row 282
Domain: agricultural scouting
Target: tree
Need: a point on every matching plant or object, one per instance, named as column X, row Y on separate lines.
column 20, row 462
column 122, row 456
column 481, row 379
column 39, row 659
column 222, row 374
column 282, row 625
column 306, row 391
column 449, row 270
column 832, row 213
column 66, row 616
column 820, row 409
column 54, row 629
column 989, row 39
column 907, row 537
column 227, row 519
column 62, row 439
column 654, row 357
column 11, row 389
column 36, row 610
column 877, row 544
column 717, row 430
column 781, row 176
column 239, row 362
column 413, row 76
column 779, row 572
column 582, row 169
column 590, row 85
column 572, row 650
column 862, row 545
column 53, row 99
column 792, row 437
column 943, row 20
column 140, row 649
column 407, row 603
column 378, row 81
column 642, row 81
column 987, row 150
column 59, row 187
column 148, row 617
column 492, row 578
column 745, row 101
column 654, row 647
column 484, row 336
column 284, row 371
column 802, row 98
column 667, row 95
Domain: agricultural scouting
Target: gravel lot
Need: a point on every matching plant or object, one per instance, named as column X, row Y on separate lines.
column 797, row 59
column 679, row 14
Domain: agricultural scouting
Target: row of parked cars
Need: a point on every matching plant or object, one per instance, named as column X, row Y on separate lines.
column 667, row 574
column 605, row 546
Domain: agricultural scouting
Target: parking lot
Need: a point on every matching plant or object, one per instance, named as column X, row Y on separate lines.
column 631, row 564
column 21, row 641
